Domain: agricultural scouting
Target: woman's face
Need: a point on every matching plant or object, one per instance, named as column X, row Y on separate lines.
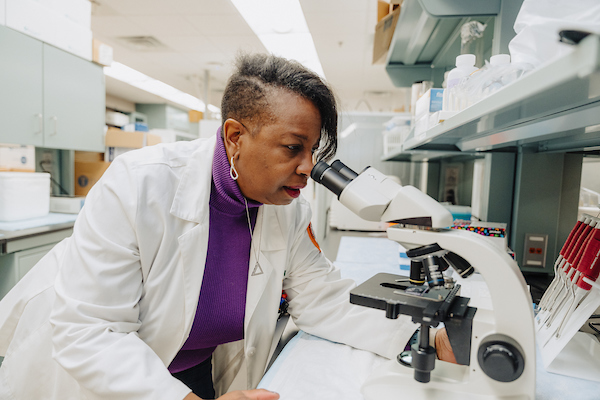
column 275, row 163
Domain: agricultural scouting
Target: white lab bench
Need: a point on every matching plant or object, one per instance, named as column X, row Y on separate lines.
column 313, row 368
column 23, row 243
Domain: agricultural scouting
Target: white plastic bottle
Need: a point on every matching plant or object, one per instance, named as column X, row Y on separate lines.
column 499, row 59
column 497, row 74
column 465, row 66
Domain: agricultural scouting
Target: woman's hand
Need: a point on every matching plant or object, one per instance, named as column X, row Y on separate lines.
column 256, row 394
column 442, row 346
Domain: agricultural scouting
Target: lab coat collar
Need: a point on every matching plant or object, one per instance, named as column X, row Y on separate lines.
column 193, row 193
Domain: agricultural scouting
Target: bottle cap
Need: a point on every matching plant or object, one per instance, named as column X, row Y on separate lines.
column 465, row 60
column 500, row 59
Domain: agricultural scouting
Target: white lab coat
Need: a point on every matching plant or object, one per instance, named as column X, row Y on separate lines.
column 104, row 313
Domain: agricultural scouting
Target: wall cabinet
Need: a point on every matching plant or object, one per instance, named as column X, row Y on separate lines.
column 164, row 116
column 49, row 98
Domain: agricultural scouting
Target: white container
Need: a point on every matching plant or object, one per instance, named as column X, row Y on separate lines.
column 116, row 118
column 31, row 18
column 41, row 21
column 465, row 66
column 66, row 204
column 24, row 195
column 71, row 37
column 499, row 59
column 77, row 11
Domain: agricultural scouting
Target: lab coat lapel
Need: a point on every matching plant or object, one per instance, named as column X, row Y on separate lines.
column 272, row 243
column 191, row 204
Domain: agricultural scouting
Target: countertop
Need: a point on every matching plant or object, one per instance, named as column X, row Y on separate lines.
column 28, row 228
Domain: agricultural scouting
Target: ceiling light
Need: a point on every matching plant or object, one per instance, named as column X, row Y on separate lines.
column 135, row 78
column 282, row 29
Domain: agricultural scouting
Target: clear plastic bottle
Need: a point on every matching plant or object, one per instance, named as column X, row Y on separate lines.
column 465, row 66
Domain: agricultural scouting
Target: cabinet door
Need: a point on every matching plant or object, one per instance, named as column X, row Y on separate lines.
column 20, row 88
column 14, row 266
column 74, row 102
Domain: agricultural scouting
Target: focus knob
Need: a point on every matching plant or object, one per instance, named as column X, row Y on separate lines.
column 501, row 358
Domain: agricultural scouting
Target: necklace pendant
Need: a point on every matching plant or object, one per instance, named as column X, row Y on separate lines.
column 257, row 270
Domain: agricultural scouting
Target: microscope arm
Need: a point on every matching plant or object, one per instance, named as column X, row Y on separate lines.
column 375, row 197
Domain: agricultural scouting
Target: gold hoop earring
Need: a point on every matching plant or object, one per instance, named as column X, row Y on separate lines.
column 233, row 172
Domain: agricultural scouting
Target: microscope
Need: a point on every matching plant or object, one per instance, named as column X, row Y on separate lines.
column 494, row 347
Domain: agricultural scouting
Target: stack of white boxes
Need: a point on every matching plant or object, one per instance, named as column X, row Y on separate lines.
column 65, row 24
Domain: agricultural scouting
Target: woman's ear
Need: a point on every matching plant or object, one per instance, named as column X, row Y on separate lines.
column 232, row 131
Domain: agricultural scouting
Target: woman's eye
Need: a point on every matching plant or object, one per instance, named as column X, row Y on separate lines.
column 295, row 148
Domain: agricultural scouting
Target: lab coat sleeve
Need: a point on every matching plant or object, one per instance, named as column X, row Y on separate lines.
column 96, row 313
column 319, row 302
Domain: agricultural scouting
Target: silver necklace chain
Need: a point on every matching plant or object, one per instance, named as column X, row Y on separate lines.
column 257, row 251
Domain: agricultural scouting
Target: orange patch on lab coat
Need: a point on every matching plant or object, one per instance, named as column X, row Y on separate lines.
column 311, row 235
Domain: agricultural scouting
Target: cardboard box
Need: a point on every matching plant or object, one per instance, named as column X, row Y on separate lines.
column 383, row 9
column 195, row 116
column 118, row 142
column 88, row 156
column 431, row 102
column 384, row 31
column 87, row 174
column 133, row 140
column 14, row 157
column 102, row 53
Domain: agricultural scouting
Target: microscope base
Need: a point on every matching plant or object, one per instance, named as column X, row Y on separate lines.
column 448, row 382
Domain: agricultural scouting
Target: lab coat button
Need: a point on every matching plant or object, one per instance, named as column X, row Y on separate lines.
column 251, row 352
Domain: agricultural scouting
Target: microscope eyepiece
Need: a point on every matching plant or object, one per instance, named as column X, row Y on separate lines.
column 329, row 177
column 343, row 169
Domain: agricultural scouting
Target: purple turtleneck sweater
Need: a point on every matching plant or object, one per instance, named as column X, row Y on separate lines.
column 222, row 303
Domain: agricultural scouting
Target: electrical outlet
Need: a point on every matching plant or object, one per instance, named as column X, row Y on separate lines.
column 535, row 250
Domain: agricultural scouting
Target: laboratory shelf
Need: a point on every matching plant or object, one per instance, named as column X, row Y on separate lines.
column 553, row 108
column 426, row 39
column 425, row 155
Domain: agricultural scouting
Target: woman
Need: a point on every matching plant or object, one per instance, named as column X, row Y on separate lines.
column 178, row 260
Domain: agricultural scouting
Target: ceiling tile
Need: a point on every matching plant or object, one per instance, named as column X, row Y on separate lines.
column 143, row 7
column 213, row 61
column 207, row 7
column 225, row 25
column 233, row 44
column 338, row 24
column 114, row 26
column 334, row 6
column 188, row 44
column 173, row 25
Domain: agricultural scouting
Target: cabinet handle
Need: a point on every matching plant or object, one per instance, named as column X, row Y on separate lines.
column 40, row 118
column 55, row 119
